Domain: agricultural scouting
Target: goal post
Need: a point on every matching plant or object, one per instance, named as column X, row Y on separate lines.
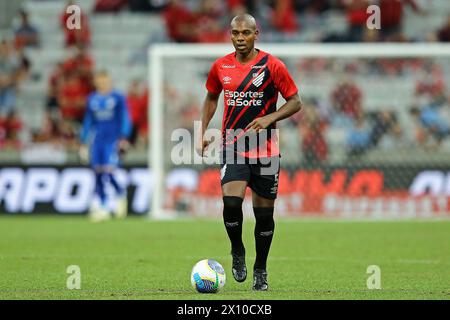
column 185, row 54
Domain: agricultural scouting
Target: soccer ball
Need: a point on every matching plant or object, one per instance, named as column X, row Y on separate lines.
column 208, row 276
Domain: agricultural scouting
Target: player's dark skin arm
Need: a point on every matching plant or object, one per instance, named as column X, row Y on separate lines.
column 209, row 109
column 293, row 105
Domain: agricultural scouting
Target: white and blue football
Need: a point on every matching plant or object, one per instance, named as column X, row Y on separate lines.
column 208, row 276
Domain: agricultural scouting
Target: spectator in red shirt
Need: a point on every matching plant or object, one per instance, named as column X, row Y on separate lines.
column 72, row 98
column 25, row 35
column 391, row 12
column 137, row 101
column 14, row 126
column 10, row 128
column 284, row 17
column 347, row 98
column 180, row 22
column 208, row 22
column 81, row 64
column 109, row 5
column 241, row 6
column 356, row 11
column 81, row 36
column 231, row 4
column 312, row 129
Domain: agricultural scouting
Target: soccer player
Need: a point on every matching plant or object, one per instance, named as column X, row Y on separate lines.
column 106, row 128
column 251, row 80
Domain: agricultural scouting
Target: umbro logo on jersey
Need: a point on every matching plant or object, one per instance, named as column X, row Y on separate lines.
column 226, row 80
column 228, row 66
column 259, row 79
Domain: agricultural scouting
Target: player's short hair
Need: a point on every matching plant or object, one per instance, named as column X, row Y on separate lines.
column 244, row 18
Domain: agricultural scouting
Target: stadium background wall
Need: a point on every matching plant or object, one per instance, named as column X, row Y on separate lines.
column 383, row 192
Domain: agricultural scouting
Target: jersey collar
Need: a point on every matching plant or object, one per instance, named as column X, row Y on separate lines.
column 251, row 62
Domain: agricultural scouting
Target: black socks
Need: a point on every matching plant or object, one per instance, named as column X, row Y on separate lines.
column 265, row 226
column 232, row 218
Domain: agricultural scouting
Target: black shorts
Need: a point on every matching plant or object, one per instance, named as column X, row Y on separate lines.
column 260, row 174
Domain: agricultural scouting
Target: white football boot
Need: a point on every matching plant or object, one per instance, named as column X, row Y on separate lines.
column 98, row 214
column 121, row 210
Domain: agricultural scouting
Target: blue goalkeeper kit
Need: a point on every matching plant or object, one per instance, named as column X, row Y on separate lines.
column 106, row 121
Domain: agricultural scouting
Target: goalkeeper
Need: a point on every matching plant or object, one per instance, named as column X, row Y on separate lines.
column 106, row 128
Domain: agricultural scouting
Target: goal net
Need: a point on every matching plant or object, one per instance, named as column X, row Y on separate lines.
column 372, row 140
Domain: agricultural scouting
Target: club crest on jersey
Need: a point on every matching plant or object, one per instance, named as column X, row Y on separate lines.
column 226, row 80
column 259, row 79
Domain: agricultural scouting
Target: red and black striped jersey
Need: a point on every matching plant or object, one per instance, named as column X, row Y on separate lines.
column 250, row 91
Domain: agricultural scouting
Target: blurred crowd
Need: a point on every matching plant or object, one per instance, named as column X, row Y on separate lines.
column 14, row 69
column 70, row 81
column 367, row 129
column 69, row 85
column 208, row 20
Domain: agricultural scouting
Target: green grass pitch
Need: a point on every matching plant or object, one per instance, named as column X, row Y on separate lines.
column 139, row 259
